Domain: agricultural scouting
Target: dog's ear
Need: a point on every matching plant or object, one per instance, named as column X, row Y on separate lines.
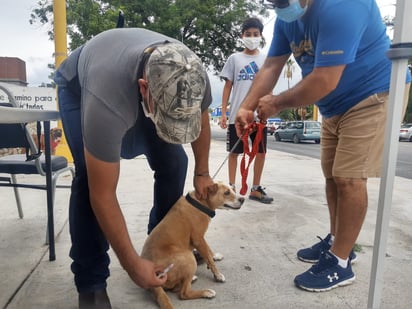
column 212, row 189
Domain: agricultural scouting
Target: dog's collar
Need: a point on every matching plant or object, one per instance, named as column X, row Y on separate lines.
column 194, row 203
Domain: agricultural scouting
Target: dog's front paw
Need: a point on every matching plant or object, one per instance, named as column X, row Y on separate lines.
column 217, row 257
column 220, row 278
column 209, row 293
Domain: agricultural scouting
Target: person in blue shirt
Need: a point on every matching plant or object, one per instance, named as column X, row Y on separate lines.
column 340, row 46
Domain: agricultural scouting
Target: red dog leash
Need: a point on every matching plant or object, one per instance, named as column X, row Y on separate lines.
column 251, row 153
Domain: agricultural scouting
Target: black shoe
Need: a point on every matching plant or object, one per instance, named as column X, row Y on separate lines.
column 260, row 195
column 96, row 299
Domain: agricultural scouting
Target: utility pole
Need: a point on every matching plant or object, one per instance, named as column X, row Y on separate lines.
column 399, row 53
column 60, row 47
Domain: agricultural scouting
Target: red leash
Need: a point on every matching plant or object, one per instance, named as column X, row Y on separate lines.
column 244, row 167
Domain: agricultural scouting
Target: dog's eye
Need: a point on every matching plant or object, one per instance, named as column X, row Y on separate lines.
column 227, row 192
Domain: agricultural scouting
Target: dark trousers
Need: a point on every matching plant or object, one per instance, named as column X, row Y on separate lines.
column 169, row 162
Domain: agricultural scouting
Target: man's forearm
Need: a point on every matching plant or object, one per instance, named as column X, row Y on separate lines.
column 264, row 81
column 312, row 88
column 103, row 178
column 114, row 227
column 201, row 146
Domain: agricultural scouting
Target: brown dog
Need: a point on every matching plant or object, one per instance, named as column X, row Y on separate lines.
column 183, row 228
column 55, row 139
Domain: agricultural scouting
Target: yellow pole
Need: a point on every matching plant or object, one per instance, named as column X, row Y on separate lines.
column 315, row 112
column 60, row 47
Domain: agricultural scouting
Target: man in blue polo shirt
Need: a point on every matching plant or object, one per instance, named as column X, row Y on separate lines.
column 340, row 46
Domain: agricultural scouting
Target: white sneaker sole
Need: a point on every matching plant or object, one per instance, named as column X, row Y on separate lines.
column 315, row 261
column 343, row 283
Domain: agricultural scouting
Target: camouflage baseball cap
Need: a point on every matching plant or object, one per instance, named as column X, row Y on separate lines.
column 177, row 83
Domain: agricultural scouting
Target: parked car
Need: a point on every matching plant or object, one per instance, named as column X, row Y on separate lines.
column 272, row 124
column 297, row 131
column 405, row 132
column 282, row 125
column 271, row 128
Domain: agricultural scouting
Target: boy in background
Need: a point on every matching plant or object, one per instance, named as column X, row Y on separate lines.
column 238, row 73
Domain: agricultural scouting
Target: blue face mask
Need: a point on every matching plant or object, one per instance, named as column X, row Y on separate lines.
column 292, row 12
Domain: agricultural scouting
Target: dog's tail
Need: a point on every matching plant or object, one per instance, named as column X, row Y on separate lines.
column 162, row 299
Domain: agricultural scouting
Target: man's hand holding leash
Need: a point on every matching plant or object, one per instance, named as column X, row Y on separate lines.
column 266, row 106
column 244, row 118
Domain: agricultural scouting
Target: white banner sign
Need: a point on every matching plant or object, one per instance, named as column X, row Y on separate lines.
column 38, row 98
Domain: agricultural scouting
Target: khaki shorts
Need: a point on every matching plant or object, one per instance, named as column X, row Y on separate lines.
column 352, row 143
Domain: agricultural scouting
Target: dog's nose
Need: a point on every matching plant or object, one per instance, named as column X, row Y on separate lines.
column 241, row 200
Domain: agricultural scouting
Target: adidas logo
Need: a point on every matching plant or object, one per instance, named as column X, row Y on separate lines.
column 248, row 72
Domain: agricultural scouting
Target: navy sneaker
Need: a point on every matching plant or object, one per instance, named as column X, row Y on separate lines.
column 311, row 254
column 325, row 275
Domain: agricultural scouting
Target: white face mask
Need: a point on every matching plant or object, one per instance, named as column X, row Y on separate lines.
column 292, row 12
column 252, row 43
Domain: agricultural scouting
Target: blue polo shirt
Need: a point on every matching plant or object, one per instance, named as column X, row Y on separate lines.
column 339, row 32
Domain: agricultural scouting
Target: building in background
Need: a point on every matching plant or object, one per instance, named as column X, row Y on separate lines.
column 13, row 71
column 217, row 113
column 13, row 76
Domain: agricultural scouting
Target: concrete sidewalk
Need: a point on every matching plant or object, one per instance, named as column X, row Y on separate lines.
column 259, row 243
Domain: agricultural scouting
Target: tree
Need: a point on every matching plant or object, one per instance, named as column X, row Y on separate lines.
column 210, row 28
column 288, row 114
column 290, row 68
column 299, row 113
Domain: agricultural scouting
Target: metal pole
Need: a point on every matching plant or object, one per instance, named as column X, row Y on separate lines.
column 50, row 211
column 400, row 51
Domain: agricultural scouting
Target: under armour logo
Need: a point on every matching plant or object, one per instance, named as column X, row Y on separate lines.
column 335, row 276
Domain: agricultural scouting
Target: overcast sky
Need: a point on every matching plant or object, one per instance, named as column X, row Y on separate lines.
column 30, row 43
column 20, row 39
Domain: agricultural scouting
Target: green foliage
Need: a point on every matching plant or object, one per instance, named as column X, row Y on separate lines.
column 357, row 247
column 210, row 28
column 287, row 115
column 408, row 114
column 293, row 114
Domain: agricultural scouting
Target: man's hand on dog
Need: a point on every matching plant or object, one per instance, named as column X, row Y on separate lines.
column 145, row 274
column 201, row 183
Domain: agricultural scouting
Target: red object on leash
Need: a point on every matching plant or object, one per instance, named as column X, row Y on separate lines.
column 251, row 153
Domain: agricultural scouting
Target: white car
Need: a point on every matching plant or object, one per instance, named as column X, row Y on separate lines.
column 406, row 132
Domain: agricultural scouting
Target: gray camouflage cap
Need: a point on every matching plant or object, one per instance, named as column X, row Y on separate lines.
column 177, row 83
